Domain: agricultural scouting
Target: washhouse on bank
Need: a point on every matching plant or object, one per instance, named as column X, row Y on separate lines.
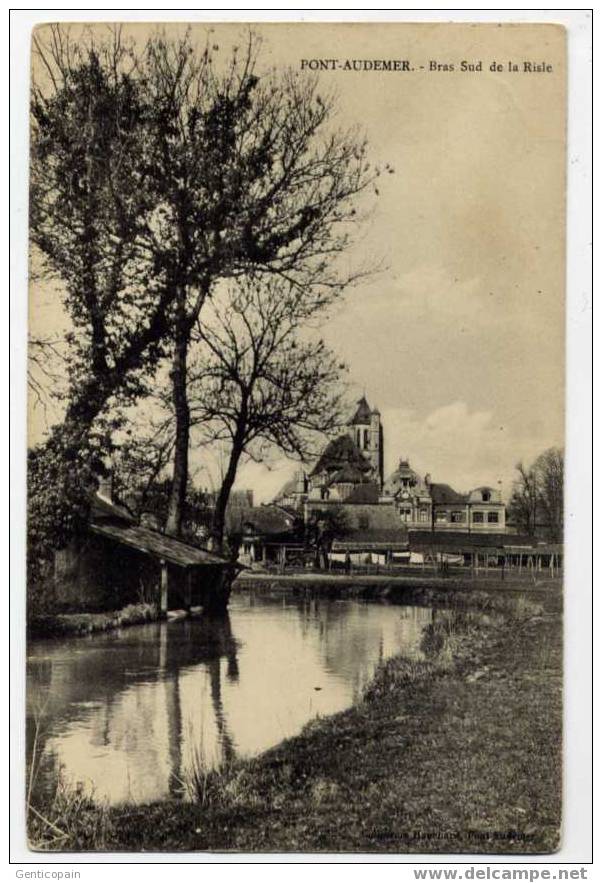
column 116, row 562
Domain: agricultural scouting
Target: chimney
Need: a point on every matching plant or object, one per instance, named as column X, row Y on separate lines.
column 427, row 479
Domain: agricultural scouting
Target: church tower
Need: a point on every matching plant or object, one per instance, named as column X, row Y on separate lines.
column 366, row 430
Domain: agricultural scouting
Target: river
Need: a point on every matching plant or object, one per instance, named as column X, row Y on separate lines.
column 124, row 716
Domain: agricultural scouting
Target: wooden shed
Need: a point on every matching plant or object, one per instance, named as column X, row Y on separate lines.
column 119, row 562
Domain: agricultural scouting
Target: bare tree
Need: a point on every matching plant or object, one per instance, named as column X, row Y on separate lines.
column 537, row 498
column 258, row 384
column 523, row 502
column 45, row 357
column 549, row 467
column 252, row 177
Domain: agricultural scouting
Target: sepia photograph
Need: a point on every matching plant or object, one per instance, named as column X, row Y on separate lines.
column 296, row 433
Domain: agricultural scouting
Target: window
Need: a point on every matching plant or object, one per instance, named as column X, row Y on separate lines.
column 486, row 496
column 406, row 514
column 423, row 515
column 492, row 518
column 441, row 516
column 457, row 517
column 477, row 518
column 363, row 522
column 365, row 438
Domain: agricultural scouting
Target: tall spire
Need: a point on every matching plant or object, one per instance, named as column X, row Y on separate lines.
column 362, row 414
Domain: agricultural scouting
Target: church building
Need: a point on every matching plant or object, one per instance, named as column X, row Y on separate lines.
column 350, row 472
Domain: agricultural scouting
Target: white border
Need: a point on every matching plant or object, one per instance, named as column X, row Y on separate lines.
column 577, row 824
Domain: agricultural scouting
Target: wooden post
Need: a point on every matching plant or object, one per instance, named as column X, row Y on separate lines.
column 164, row 588
column 188, row 591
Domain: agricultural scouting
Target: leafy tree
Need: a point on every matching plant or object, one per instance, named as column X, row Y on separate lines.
column 323, row 527
column 91, row 208
column 258, row 384
column 91, row 212
column 154, row 174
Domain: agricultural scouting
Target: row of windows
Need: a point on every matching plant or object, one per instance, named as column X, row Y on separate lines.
column 406, row 514
column 456, row 517
column 460, row 517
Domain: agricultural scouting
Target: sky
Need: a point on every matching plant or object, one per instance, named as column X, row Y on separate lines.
column 459, row 338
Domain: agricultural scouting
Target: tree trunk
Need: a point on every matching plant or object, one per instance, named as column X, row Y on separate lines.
column 177, row 499
column 219, row 515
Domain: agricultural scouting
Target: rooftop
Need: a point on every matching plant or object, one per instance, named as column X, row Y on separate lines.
column 151, row 542
column 443, row 493
column 339, row 453
column 362, row 414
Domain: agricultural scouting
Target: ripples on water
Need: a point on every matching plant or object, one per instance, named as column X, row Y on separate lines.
column 122, row 715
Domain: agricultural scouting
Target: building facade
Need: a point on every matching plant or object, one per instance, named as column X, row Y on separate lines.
column 350, row 472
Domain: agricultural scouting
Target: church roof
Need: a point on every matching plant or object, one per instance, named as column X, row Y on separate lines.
column 349, row 474
column 362, row 414
column 340, row 452
column 364, row 493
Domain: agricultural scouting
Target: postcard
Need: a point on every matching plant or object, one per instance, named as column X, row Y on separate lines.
column 296, row 438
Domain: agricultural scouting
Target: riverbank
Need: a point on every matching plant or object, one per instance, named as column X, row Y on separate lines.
column 480, row 590
column 69, row 625
column 460, row 752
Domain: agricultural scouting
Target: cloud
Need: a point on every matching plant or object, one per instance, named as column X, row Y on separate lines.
column 457, row 445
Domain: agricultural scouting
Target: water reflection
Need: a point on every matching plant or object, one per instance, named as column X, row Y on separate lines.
column 124, row 714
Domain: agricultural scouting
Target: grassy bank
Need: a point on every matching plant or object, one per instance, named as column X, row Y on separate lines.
column 397, row 587
column 458, row 753
column 64, row 625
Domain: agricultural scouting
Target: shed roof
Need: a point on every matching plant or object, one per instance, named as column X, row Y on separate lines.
column 373, row 538
column 267, row 519
column 151, row 542
column 101, row 510
column 456, row 540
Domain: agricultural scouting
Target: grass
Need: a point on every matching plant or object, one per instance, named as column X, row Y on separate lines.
column 460, row 753
column 64, row 625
